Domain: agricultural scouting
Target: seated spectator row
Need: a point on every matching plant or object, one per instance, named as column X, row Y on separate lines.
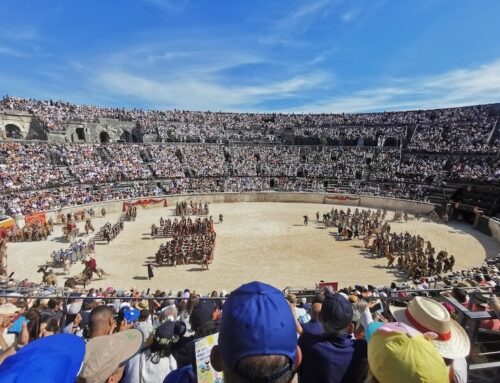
column 465, row 129
column 357, row 334
column 34, row 166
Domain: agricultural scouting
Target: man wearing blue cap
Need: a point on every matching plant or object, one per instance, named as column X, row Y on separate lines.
column 258, row 338
column 334, row 356
column 53, row 359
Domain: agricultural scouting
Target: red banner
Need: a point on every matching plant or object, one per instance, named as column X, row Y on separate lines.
column 333, row 285
column 144, row 202
column 342, row 198
column 35, row 218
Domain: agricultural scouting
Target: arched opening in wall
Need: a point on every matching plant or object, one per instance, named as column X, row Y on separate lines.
column 104, row 137
column 125, row 137
column 13, row 131
column 80, row 133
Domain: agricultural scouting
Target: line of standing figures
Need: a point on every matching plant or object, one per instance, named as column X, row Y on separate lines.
column 192, row 208
column 182, row 227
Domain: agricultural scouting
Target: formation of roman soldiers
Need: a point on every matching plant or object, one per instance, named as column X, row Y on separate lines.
column 191, row 208
column 193, row 241
column 35, row 232
column 353, row 224
column 131, row 213
column 416, row 257
column 184, row 226
column 109, row 232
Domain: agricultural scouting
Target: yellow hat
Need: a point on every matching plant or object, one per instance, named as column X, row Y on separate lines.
column 395, row 357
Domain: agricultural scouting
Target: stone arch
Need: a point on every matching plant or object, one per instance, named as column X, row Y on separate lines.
column 126, row 136
column 13, row 131
column 104, row 137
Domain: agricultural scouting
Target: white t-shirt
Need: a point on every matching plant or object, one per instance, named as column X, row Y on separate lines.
column 140, row 369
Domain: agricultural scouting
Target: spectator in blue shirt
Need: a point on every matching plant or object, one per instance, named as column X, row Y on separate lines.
column 334, row 356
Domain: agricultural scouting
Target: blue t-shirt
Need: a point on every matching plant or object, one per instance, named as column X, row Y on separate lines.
column 332, row 359
column 314, row 327
column 182, row 375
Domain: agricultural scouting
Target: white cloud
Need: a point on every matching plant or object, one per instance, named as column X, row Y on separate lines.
column 201, row 94
column 7, row 51
column 311, row 9
column 349, row 16
column 451, row 89
column 295, row 22
column 169, row 5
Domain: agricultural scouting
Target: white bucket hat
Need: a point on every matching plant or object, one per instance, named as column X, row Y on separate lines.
column 427, row 315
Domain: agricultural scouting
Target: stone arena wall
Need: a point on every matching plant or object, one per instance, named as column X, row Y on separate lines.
column 319, row 198
column 288, row 197
column 494, row 226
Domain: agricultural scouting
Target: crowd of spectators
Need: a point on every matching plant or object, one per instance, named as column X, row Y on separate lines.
column 357, row 334
column 39, row 175
column 447, row 144
column 463, row 129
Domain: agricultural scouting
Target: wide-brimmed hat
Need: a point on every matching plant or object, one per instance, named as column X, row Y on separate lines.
column 105, row 354
column 427, row 315
column 143, row 304
column 8, row 309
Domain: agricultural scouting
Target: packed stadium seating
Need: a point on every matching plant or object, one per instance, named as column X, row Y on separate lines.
column 400, row 154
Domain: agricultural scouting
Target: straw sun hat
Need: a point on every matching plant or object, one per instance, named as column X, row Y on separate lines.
column 427, row 315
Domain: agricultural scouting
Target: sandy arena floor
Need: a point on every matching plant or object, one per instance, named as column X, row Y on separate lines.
column 257, row 241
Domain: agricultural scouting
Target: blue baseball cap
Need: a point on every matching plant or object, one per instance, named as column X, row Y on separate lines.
column 52, row 359
column 336, row 311
column 131, row 314
column 256, row 320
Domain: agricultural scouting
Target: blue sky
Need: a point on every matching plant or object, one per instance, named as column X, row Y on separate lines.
column 253, row 55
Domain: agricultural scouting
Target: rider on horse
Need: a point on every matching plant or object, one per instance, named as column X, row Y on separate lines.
column 92, row 264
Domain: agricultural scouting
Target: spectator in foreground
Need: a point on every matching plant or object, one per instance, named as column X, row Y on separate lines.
column 450, row 339
column 105, row 356
column 399, row 353
column 333, row 356
column 101, row 321
column 257, row 338
column 156, row 361
column 51, row 359
column 314, row 326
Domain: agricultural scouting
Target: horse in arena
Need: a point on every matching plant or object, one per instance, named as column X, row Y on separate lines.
column 70, row 231
column 49, row 277
column 81, row 279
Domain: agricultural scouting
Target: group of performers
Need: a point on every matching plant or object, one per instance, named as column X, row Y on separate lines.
column 191, row 208
column 77, row 251
column 131, row 213
column 417, row 258
column 188, row 249
column 184, row 226
column 353, row 224
column 3, row 257
column 108, row 232
column 192, row 242
column 35, row 232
